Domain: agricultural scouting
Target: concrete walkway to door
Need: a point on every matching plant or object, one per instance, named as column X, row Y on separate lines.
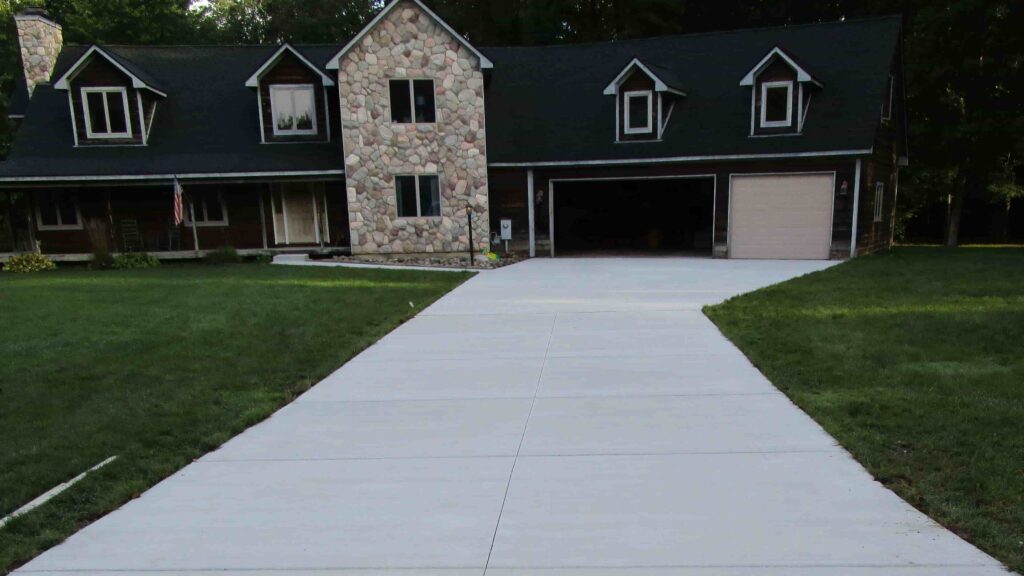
column 569, row 416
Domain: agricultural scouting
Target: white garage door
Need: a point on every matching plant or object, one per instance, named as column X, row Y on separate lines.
column 781, row 216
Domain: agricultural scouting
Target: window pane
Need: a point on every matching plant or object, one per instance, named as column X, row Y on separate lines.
column 214, row 209
column 68, row 214
column 97, row 115
column 48, row 209
column 305, row 108
column 405, row 187
column 423, row 92
column 284, row 109
column 638, row 112
column 776, row 104
column 115, row 104
column 430, row 196
column 401, row 108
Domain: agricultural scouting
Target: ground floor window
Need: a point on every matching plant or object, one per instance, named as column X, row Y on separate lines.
column 57, row 210
column 418, row 196
column 879, row 200
column 209, row 209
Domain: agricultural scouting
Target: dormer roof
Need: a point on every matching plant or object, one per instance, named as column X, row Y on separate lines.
column 665, row 80
column 332, row 64
column 802, row 75
column 140, row 78
column 254, row 80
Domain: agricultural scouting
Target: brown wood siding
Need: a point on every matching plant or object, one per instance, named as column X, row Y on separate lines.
column 149, row 207
column 505, row 184
column 637, row 80
column 98, row 72
column 777, row 71
column 290, row 70
column 508, row 199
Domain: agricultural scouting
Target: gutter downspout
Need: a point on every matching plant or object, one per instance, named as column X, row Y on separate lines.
column 856, row 209
column 530, row 214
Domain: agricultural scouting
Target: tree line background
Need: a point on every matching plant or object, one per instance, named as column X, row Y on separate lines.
column 963, row 61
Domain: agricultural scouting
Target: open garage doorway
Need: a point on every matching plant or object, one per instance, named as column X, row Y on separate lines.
column 671, row 215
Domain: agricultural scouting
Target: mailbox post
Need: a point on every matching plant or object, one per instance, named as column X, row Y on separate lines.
column 506, row 232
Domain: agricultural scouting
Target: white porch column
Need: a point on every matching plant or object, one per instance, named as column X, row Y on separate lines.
column 529, row 206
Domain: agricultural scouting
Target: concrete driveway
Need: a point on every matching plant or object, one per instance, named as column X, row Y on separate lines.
column 570, row 416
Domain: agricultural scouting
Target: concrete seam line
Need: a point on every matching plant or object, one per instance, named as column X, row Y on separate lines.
column 52, row 493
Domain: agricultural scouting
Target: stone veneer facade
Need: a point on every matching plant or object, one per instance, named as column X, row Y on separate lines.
column 408, row 43
column 40, row 41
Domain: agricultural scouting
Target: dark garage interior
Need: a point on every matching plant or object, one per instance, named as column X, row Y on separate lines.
column 670, row 215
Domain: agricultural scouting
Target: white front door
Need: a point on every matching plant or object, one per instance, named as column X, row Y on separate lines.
column 296, row 213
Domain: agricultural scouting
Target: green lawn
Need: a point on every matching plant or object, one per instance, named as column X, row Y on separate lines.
column 160, row 366
column 914, row 361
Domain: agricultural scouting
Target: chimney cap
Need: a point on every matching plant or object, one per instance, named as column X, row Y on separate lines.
column 36, row 11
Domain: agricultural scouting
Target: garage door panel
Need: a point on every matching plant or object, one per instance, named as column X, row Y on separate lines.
column 784, row 216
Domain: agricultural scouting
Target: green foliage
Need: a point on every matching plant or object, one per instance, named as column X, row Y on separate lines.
column 135, row 260
column 223, row 255
column 264, row 258
column 29, row 262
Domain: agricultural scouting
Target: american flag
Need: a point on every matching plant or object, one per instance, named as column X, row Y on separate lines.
column 179, row 207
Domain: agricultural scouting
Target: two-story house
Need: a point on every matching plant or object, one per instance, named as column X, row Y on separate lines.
column 406, row 139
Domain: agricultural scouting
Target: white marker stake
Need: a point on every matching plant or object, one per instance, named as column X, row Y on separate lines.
column 49, row 494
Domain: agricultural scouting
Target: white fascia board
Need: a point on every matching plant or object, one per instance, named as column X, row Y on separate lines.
column 254, row 80
column 63, row 83
column 332, row 64
column 179, row 176
column 659, row 84
column 801, row 74
column 825, row 154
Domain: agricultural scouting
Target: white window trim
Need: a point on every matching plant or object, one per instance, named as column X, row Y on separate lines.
column 412, row 101
column 291, row 88
column 202, row 206
column 419, row 209
column 60, row 223
column 879, row 200
column 788, row 122
column 106, row 111
column 626, row 96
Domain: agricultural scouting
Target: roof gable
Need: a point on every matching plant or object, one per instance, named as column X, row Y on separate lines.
column 254, row 80
column 666, row 82
column 140, row 79
column 332, row 64
column 776, row 52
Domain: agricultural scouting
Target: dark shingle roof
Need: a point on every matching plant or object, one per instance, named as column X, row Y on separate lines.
column 207, row 124
column 19, row 97
column 545, row 104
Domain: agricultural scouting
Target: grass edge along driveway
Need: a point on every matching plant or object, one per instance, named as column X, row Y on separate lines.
column 913, row 361
column 161, row 366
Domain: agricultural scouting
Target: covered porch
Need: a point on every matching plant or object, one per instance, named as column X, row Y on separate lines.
column 72, row 222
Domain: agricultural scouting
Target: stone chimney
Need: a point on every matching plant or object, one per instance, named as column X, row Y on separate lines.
column 40, row 39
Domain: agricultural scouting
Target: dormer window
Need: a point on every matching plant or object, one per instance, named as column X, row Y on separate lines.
column 106, row 112
column 639, row 110
column 776, row 104
column 293, row 108
column 780, row 95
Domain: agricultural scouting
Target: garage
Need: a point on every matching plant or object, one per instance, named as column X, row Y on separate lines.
column 781, row 216
column 671, row 215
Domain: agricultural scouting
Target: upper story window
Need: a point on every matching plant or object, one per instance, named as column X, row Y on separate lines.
column 57, row 210
column 293, row 108
column 639, row 110
column 412, row 101
column 106, row 112
column 777, row 104
column 418, row 195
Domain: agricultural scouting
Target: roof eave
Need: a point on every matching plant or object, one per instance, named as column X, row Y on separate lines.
column 801, row 74
column 659, row 84
column 64, row 82
column 254, row 80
